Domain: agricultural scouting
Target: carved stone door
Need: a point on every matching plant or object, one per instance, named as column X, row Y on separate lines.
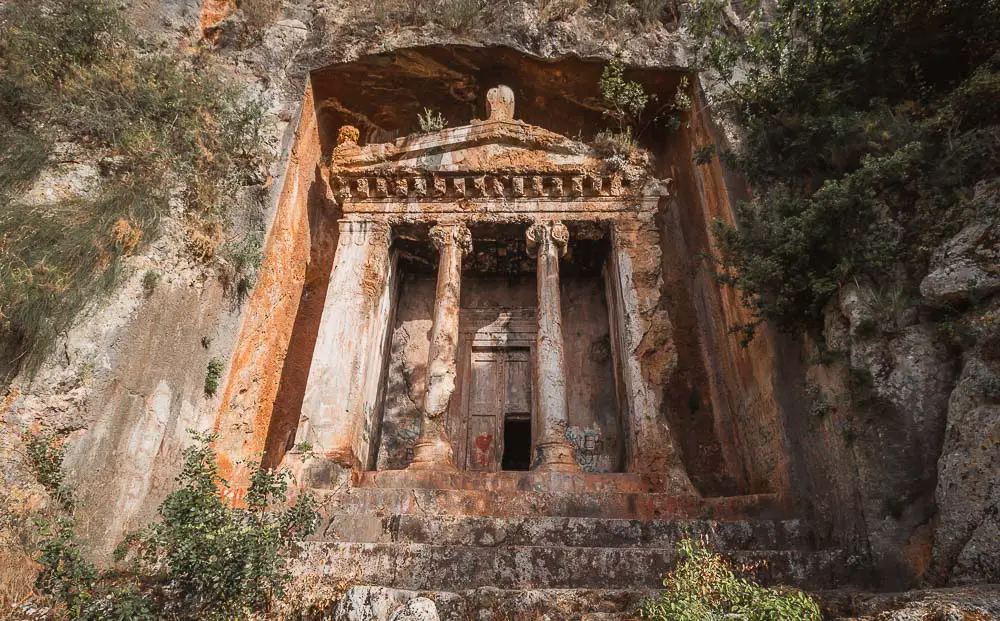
column 497, row 399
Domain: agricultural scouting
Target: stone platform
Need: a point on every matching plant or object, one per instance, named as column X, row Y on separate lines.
column 602, row 539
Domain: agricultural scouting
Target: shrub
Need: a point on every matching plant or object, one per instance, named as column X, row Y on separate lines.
column 65, row 573
column 259, row 14
column 459, row 15
column 220, row 561
column 431, row 121
column 70, row 70
column 213, row 375
column 705, row 586
column 204, row 559
column 862, row 144
column 45, row 458
column 625, row 100
column 150, row 279
column 650, row 10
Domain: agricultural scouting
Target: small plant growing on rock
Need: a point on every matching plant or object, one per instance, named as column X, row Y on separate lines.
column 213, row 375
column 459, row 15
column 149, row 281
column 704, row 585
column 431, row 121
column 45, row 457
column 625, row 99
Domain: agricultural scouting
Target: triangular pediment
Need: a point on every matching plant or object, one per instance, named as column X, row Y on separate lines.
column 482, row 147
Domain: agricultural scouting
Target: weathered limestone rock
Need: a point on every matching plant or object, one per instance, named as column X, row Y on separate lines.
column 958, row 604
column 644, row 338
column 365, row 603
column 969, row 264
column 967, row 532
column 898, row 390
column 417, row 609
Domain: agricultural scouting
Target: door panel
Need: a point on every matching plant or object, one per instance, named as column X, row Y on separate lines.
column 518, row 382
column 485, row 373
column 497, row 384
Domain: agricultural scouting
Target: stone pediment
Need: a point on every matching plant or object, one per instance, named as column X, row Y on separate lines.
column 521, row 166
column 482, row 147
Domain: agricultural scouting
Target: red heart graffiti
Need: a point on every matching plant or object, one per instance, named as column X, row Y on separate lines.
column 483, row 442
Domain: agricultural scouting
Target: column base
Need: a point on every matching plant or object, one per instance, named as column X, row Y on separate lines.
column 432, row 455
column 555, row 457
column 312, row 471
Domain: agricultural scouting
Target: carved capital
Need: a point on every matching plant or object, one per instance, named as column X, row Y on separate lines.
column 560, row 237
column 538, row 236
column 458, row 234
column 359, row 233
column 500, row 103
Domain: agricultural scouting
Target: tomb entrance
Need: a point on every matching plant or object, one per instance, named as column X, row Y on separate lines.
column 487, row 300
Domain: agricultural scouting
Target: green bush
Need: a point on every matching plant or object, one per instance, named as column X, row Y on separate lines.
column 625, row 100
column 704, row 586
column 867, row 124
column 65, row 574
column 150, row 279
column 45, row 458
column 204, row 558
column 213, row 375
column 172, row 127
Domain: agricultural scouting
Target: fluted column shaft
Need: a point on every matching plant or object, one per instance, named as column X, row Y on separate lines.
column 433, row 450
column 548, row 242
column 347, row 356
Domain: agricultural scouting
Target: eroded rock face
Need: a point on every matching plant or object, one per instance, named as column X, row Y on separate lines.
column 882, row 410
column 967, row 535
column 969, row 264
column 417, row 609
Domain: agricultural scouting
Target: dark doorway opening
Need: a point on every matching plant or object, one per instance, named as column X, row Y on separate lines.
column 516, row 444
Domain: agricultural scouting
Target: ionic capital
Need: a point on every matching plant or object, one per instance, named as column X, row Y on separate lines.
column 540, row 234
column 457, row 234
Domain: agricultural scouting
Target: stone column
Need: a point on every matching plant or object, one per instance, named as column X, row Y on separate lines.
column 432, row 450
column 548, row 242
column 333, row 422
column 642, row 333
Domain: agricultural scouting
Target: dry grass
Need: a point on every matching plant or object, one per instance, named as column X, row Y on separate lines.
column 18, row 569
column 259, row 14
column 17, row 580
column 559, row 10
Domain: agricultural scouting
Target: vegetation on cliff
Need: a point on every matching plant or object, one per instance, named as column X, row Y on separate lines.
column 204, row 558
column 867, row 125
column 170, row 134
column 704, row 585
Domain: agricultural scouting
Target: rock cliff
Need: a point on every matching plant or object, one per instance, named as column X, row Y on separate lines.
column 885, row 429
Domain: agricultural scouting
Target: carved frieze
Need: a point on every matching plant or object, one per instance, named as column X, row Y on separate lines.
column 482, row 187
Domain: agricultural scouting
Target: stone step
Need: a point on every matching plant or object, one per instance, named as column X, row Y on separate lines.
column 507, row 481
column 562, row 531
column 493, row 604
column 620, row 505
column 443, row 567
